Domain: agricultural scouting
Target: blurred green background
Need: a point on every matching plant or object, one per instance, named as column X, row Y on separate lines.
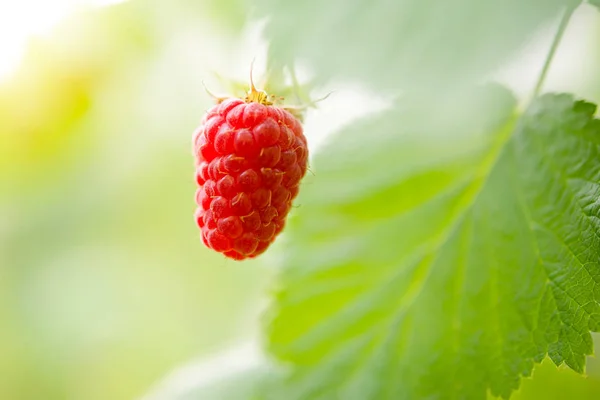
column 105, row 286
column 104, row 283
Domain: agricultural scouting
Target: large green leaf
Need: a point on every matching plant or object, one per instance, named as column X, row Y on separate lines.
column 403, row 43
column 441, row 250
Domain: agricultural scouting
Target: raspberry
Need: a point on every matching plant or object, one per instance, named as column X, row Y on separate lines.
column 250, row 158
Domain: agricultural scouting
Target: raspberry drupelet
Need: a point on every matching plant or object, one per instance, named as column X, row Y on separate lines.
column 250, row 157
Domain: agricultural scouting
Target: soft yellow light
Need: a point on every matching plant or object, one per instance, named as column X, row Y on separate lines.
column 20, row 20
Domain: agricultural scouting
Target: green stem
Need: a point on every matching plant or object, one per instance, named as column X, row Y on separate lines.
column 555, row 42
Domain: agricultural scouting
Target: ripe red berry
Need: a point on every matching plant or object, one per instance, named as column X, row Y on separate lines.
column 250, row 157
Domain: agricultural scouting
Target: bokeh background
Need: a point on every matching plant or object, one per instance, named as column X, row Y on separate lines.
column 105, row 287
column 104, row 284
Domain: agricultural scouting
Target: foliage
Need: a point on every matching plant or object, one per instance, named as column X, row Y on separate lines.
column 448, row 244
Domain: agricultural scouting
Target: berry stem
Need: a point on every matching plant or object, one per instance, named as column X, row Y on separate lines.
column 297, row 91
column 555, row 42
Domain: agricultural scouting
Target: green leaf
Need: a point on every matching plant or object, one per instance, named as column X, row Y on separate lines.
column 440, row 250
column 595, row 3
column 404, row 43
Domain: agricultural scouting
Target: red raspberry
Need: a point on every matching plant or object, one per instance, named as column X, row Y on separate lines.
column 250, row 157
